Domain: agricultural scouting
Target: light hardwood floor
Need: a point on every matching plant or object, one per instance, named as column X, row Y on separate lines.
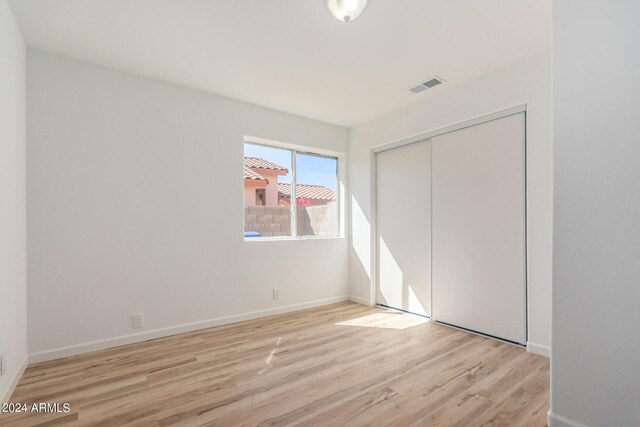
column 341, row 365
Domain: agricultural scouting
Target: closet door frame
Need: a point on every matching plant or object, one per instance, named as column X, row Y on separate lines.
column 517, row 109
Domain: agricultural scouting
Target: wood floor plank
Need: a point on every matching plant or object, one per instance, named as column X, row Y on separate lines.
column 342, row 364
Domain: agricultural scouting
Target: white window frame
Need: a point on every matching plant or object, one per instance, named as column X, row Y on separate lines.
column 297, row 149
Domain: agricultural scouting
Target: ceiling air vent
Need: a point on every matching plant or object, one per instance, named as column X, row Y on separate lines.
column 434, row 81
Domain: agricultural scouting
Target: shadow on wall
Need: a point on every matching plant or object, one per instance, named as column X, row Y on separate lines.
column 359, row 254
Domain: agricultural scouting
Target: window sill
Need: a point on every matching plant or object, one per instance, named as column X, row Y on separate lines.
column 285, row 238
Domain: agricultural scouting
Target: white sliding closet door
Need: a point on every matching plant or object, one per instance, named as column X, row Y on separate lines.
column 403, row 182
column 478, row 231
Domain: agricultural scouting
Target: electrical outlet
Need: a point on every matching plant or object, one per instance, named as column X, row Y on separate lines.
column 3, row 364
column 276, row 294
column 137, row 321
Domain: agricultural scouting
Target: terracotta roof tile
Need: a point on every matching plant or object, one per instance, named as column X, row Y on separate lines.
column 258, row 163
column 316, row 192
column 249, row 174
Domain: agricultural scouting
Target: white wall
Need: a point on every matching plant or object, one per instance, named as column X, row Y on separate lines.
column 596, row 279
column 13, row 226
column 136, row 205
column 528, row 82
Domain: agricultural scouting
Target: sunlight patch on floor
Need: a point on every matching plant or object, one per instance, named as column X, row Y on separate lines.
column 388, row 320
column 268, row 362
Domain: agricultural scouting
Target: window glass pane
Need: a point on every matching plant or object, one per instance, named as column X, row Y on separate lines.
column 316, row 195
column 266, row 169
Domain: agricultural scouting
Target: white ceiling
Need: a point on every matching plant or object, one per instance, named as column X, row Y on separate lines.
column 292, row 55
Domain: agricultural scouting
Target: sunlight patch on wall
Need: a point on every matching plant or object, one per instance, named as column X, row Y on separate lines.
column 361, row 236
column 415, row 306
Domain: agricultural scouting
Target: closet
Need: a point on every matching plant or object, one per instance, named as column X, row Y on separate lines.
column 451, row 226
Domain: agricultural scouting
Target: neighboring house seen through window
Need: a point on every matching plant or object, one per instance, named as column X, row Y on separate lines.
column 275, row 176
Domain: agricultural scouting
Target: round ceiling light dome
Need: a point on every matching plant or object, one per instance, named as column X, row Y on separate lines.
column 346, row 10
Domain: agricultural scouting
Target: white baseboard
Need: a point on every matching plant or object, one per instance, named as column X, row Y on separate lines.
column 540, row 349
column 72, row 350
column 15, row 380
column 359, row 300
column 555, row 420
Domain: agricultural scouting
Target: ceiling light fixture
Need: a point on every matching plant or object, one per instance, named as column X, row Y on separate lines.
column 346, row 10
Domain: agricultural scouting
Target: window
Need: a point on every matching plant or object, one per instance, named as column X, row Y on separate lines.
column 273, row 177
column 261, row 196
column 317, row 204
